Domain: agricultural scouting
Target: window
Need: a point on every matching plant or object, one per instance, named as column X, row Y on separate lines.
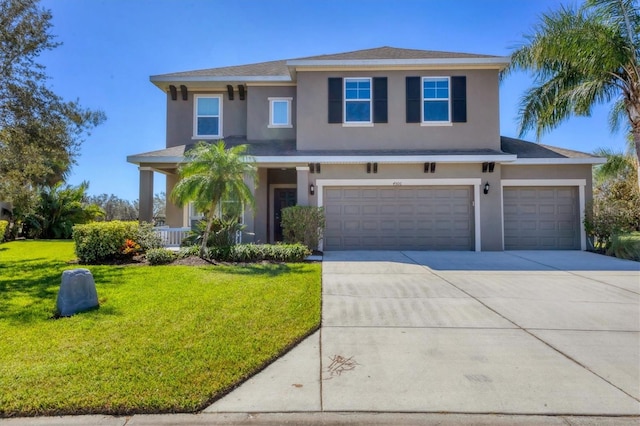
column 435, row 100
column 208, row 116
column 280, row 112
column 357, row 100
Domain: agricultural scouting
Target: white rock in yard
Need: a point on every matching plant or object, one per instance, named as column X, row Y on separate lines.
column 77, row 292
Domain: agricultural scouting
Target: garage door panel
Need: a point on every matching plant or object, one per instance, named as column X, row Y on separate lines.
column 542, row 218
column 419, row 218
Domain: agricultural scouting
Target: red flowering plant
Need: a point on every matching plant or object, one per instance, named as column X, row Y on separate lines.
column 130, row 248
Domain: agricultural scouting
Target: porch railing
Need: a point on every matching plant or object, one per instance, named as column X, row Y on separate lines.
column 172, row 237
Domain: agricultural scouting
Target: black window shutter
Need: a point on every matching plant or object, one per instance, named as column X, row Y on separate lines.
column 413, row 100
column 335, row 100
column 380, row 100
column 459, row 99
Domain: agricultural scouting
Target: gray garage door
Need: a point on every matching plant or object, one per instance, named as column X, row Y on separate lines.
column 398, row 218
column 541, row 218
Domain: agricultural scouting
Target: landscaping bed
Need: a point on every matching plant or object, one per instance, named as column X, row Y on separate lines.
column 165, row 338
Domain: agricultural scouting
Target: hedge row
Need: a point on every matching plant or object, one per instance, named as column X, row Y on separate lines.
column 3, row 229
column 107, row 241
column 253, row 252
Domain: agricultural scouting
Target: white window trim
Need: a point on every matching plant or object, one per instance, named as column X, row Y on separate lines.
column 475, row 182
column 272, row 125
column 195, row 117
column 434, row 123
column 580, row 183
column 346, row 123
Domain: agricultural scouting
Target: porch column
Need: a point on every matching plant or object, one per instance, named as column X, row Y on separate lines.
column 303, row 185
column 145, row 200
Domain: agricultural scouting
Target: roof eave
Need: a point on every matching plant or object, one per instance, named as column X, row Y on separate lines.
column 164, row 81
column 552, row 161
column 499, row 63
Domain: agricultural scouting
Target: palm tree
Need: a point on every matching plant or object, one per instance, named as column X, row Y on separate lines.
column 580, row 58
column 211, row 174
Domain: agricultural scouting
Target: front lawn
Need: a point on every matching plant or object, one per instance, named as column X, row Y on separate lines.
column 165, row 339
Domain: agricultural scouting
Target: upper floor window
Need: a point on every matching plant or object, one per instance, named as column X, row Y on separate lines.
column 280, row 112
column 208, row 116
column 435, row 100
column 357, row 100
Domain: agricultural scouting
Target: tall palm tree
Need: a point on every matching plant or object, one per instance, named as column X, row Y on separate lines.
column 212, row 174
column 580, row 58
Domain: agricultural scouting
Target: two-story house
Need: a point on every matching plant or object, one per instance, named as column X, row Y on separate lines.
column 401, row 147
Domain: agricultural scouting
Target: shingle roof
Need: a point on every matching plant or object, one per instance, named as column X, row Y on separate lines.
column 279, row 68
column 524, row 149
column 287, row 148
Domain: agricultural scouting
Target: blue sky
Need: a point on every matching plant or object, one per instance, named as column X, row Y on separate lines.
column 111, row 47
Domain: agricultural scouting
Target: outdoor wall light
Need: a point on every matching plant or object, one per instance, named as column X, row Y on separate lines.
column 486, row 188
column 312, row 189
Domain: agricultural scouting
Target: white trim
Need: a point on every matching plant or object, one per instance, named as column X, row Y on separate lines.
column 203, row 78
column 547, row 161
column 272, row 195
column 145, row 169
column 195, row 117
column 448, row 122
column 580, row 183
column 272, row 101
column 475, row 182
column 302, row 168
column 367, row 123
column 348, row 159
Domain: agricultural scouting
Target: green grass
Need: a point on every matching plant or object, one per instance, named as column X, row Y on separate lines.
column 625, row 246
column 165, row 338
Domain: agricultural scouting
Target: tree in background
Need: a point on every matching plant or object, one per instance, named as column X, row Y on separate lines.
column 40, row 133
column 114, row 208
column 212, row 174
column 581, row 58
column 58, row 209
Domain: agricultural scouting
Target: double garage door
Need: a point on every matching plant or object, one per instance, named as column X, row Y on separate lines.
column 441, row 218
column 399, row 218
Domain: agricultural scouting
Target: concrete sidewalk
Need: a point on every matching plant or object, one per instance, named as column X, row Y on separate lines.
column 490, row 338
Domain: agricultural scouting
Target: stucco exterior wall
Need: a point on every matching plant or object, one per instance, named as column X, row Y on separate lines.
column 481, row 131
column 180, row 118
column 175, row 214
column 258, row 112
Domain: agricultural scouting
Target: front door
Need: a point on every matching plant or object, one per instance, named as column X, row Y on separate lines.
column 282, row 198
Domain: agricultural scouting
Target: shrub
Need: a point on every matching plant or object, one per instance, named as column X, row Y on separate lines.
column 160, row 256
column 607, row 218
column 626, row 246
column 103, row 241
column 223, row 233
column 148, row 238
column 303, row 224
column 3, row 229
column 188, row 251
column 260, row 252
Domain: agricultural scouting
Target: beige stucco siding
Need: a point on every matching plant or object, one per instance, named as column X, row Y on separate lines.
column 480, row 131
column 553, row 172
column 258, row 112
column 180, row 118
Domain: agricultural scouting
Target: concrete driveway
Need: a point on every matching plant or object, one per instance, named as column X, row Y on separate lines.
column 463, row 332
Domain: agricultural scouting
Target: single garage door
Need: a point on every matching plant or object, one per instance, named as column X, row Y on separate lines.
column 541, row 218
column 398, row 218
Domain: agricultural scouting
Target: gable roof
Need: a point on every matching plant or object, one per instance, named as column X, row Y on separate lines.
column 284, row 70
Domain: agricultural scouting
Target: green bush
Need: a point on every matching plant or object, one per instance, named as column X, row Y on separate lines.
column 148, row 238
column 303, row 224
column 625, row 246
column 103, row 241
column 3, row 229
column 606, row 218
column 260, row 252
column 160, row 256
column 223, row 233
column 188, row 251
